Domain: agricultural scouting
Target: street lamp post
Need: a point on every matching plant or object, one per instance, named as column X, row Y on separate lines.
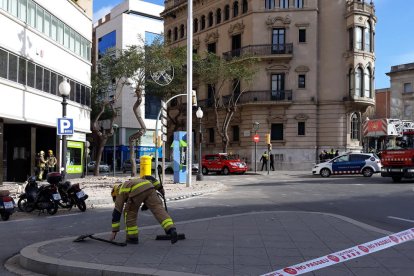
column 114, row 126
column 199, row 115
column 255, row 128
column 64, row 90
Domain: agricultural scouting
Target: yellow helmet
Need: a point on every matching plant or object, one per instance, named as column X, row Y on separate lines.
column 115, row 191
column 50, row 151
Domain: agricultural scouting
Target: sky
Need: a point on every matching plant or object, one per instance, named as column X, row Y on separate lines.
column 394, row 33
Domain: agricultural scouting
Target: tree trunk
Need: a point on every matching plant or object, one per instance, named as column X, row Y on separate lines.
column 132, row 158
column 101, row 144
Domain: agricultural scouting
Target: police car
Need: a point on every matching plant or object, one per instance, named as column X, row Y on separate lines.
column 351, row 163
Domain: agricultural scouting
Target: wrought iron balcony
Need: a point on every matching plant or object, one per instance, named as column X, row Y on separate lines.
column 261, row 50
column 266, row 96
column 263, row 96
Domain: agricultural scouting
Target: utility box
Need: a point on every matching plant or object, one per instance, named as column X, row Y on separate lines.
column 145, row 165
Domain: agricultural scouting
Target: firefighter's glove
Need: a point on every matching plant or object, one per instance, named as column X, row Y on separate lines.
column 162, row 192
column 144, row 207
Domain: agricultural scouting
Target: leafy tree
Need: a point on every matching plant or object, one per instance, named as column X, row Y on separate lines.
column 228, row 80
column 133, row 66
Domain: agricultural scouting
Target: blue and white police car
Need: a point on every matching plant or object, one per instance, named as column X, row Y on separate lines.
column 350, row 163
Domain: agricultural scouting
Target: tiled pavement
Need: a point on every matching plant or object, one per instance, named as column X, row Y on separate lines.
column 245, row 244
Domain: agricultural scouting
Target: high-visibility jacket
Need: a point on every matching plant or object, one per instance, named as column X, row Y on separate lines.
column 127, row 190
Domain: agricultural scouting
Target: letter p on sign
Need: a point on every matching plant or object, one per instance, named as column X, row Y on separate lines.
column 64, row 126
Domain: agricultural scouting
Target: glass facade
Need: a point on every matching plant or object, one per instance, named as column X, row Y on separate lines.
column 37, row 17
column 106, row 42
column 20, row 70
column 152, row 103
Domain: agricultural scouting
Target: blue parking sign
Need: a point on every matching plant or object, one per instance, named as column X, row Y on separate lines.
column 65, row 126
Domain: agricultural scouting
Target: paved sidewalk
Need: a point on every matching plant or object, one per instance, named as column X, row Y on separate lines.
column 245, row 244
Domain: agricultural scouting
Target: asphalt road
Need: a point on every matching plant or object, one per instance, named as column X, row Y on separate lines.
column 375, row 201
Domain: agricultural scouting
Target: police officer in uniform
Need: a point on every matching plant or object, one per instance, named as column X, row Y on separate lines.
column 263, row 159
column 132, row 194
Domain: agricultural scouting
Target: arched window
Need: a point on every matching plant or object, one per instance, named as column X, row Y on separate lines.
column 203, row 22
column 175, row 33
column 367, row 37
column 358, row 82
column 169, row 35
column 218, row 16
column 226, row 12
column 210, row 19
column 269, row 4
column 350, row 82
column 195, row 25
column 355, row 126
column 182, row 31
column 235, row 9
column 367, row 83
column 358, row 38
column 245, row 7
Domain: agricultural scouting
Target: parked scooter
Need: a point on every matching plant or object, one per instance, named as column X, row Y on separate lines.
column 72, row 195
column 42, row 198
column 6, row 204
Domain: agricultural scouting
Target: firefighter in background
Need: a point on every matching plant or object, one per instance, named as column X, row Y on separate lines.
column 51, row 161
column 132, row 194
column 41, row 165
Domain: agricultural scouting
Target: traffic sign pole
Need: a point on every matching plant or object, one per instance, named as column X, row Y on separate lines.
column 256, row 139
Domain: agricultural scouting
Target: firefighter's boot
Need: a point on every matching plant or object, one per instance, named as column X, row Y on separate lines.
column 132, row 240
column 173, row 234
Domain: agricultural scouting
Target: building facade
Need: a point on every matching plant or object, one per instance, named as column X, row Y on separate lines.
column 402, row 92
column 126, row 25
column 47, row 41
column 315, row 77
column 383, row 103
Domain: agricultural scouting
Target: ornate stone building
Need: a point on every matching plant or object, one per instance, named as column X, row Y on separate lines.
column 315, row 78
column 402, row 96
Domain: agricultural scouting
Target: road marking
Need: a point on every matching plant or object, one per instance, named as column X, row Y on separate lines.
column 59, row 216
column 403, row 219
column 347, row 254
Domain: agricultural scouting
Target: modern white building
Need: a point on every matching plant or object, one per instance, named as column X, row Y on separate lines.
column 119, row 29
column 42, row 42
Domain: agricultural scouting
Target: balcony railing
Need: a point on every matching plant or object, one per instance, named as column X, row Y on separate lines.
column 252, row 97
column 261, row 50
column 357, row 5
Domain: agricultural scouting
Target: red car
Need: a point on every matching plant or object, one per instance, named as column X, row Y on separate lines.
column 223, row 163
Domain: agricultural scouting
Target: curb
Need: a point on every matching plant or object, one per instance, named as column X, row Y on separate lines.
column 32, row 260
column 108, row 200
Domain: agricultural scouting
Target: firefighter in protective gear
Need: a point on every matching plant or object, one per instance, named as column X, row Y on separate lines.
column 51, row 161
column 132, row 194
column 41, row 165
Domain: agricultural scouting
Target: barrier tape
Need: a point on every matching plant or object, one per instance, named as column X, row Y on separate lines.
column 346, row 255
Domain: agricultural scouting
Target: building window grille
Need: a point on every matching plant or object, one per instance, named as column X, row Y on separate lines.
column 13, row 61
column 355, row 126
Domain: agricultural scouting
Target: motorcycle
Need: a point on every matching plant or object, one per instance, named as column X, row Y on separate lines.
column 6, row 204
column 72, row 195
column 42, row 198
